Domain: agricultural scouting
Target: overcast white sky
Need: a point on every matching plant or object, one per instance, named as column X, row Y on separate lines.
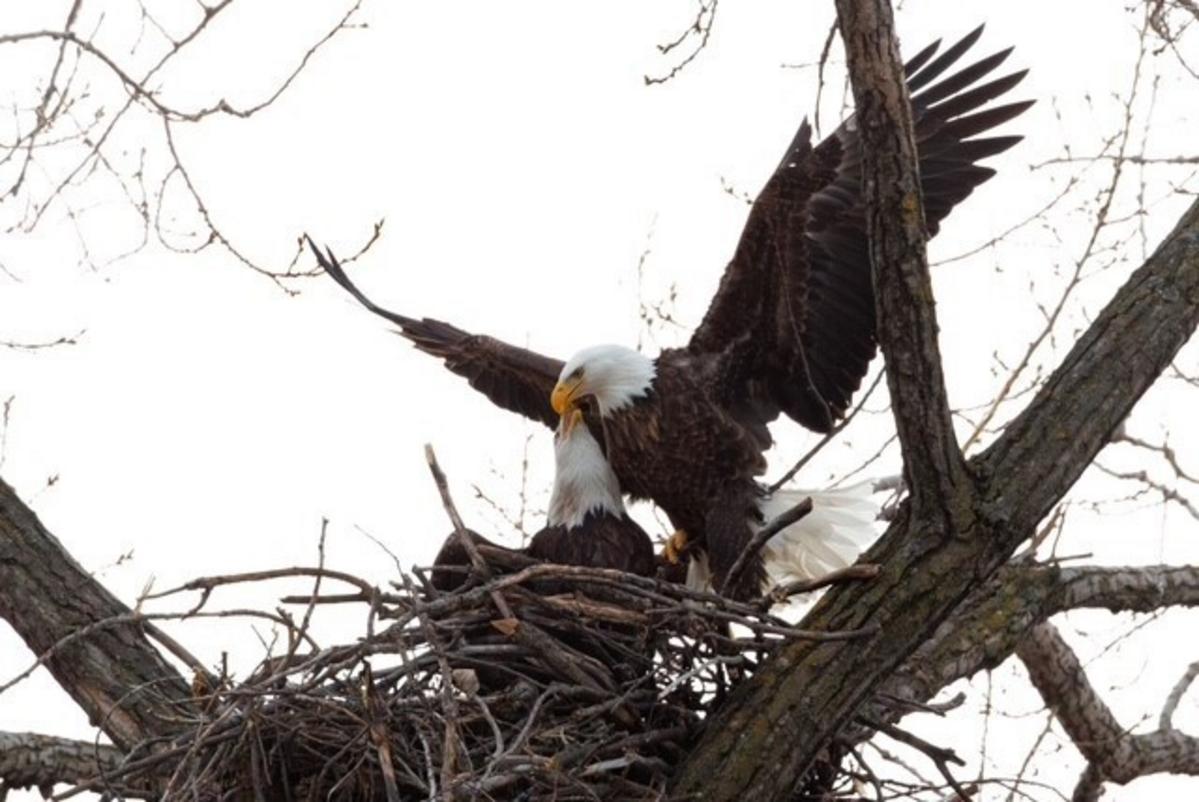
column 206, row 421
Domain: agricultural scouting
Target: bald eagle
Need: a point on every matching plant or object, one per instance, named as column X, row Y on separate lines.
column 791, row 329
column 587, row 522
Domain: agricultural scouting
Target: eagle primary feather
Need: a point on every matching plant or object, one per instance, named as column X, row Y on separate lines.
column 799, row 283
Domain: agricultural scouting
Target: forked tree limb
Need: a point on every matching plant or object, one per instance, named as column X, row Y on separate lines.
column 938, row 549
column 113, row 673
column 1113, row 754
column 997, row 616
column 810, row 690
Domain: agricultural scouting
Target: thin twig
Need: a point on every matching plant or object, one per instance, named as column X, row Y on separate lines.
column 772, row 528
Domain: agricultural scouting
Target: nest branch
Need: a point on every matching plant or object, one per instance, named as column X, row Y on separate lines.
column 545, row 681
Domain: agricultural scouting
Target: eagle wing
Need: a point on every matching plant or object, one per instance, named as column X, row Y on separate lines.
column 514, row 378
column 796, row 304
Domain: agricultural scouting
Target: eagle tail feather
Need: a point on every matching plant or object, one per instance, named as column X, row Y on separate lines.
column 840, row 526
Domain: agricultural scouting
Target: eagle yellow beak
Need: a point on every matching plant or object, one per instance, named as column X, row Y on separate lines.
column 564, row 395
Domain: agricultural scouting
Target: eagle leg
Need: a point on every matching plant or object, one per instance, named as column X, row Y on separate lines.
column 735, row 556
column 675, row 547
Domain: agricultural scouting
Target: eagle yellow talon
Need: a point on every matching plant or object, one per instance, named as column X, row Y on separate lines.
column 675, row 546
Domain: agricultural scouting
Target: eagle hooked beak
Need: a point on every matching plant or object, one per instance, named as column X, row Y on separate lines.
column 565, row 393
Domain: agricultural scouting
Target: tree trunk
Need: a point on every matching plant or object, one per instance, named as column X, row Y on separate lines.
column 949, row 538
column 91, row 642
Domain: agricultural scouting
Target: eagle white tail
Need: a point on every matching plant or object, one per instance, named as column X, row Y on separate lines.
column 840, row 526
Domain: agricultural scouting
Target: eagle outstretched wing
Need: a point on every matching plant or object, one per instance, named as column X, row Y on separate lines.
column 796, row 303
column 514, row 378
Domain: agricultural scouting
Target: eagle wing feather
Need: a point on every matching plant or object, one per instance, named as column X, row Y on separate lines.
column 796, row 301
column 516, row 379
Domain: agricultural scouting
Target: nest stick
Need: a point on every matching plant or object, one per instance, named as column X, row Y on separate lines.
column 760, row 537
column 447, row 501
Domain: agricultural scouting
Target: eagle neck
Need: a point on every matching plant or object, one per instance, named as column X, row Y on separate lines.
column 584, row 481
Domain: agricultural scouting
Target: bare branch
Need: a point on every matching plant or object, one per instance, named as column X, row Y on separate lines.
column 1164, row 722
column 907, row 330
column 84, row 131
column 1164, row 449
column 1113, row 753
column 850, row 573
column 697, row 33
column 940, row 756
column 1102, row 220
column 1131, row 342
column 1167, row 493
column 828, row 438
column 772, row 528
column 38, row 346
column 460, row 531
column 993, row 620
column 28, row 760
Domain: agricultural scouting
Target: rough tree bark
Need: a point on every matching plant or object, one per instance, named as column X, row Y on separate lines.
column 28, row 759
column 997, row 616
column 933, row 466
column 1112, row 752
column 96, row 648
column 950, row 538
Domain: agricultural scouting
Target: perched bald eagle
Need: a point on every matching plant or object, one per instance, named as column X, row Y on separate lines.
column 790, row 330
column 587, row 522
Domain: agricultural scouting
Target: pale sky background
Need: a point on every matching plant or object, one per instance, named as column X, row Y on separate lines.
column 206, row 421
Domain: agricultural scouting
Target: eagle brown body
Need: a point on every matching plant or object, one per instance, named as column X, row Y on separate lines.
column 680, row 446
column 601, row 541
column 791, row 329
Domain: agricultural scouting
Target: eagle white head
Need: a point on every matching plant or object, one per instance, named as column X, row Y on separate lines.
column 583, row 478
column 613, row 375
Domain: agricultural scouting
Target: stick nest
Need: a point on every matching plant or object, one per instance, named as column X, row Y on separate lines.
column 529, row 681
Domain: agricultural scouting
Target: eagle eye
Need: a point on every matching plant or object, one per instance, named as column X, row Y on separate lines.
column 577, row 373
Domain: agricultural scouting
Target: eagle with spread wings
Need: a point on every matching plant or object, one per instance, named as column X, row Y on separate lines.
column 790, row 331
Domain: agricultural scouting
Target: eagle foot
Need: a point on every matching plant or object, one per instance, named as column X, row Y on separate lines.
column 673, row 551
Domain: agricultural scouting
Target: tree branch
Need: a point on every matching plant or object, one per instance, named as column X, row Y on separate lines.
column 42, row 761
column 1165, row 721
column 998, row 615
column 116, row 676
column 933, row 465
column 1075, row 413
column 1113, row 753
